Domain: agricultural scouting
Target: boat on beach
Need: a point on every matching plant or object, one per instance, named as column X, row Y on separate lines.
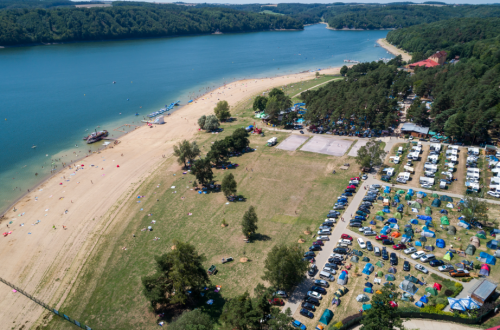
column 96, row 136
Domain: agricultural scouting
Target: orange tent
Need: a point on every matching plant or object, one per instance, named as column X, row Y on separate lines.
column 395, row 234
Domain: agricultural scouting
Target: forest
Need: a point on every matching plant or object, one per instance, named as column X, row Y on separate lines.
column 11, row 4
column 26, row 26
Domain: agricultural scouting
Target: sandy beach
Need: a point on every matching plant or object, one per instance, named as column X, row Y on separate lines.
column 394, row 50
column 55, row 227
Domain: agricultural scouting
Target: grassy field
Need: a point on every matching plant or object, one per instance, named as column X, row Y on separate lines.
column 290, row 191
column 270, row 12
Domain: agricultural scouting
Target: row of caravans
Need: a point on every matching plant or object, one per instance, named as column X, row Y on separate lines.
column 473, row 172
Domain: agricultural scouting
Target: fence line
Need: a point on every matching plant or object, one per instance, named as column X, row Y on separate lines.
column 44, row 305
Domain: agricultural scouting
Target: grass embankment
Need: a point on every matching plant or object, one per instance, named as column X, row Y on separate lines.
column 290, row 190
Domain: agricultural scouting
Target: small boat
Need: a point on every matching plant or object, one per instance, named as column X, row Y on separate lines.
column 190, row 101
column 114, row 82
column 96, row 136
column 178, row 102
column 137, row 114
column 33, row 147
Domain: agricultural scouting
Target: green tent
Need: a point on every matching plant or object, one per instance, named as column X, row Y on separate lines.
column 358, row 253
column 434, row 195
column 380, row 213
column 366, row 259
column 481, row 235
column 380, row 274
column 411, row 278
column 401, row 191
column 428, row 211
column 390, row 277
column 470, row 250
column 448, row 256
column 326, row 317
column 380, row 264
column 398, row 215
column 432, row 291
column 444, row 220
column 407, row 197
column 416, row 205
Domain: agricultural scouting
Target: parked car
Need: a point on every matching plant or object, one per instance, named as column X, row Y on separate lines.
column 312, row 301
column 345, row 241
column 322, row 283
column 364, row 177
column 421, row 268
column 345, row 236
column 328, row 224
column 347, row 193
column 320, row 243
column 309, row 254
column 303, row 311
column 410, row 250
column 309, row 258
column 315, row 248
column 312, row 270
column 385, row 255
column 362, row 229
column 369, row 246
column 446, row 268
column 385, row 178
column 361, row 243
column 494, row 194
column 334, row 260
column 340, row 250
column 355, row 224
column 459, row 273
column 329, row 270
column 339, row 207
column 359, row 217
column 332, row 266
column 369, row 233
column 406, row 266
column 364, row 209
column 281, row 294
column 276, row 302
column 324, row 232
column 399, row 246
column 393, row 259
column 381, row 237
column 375, row 185
column 318, row 289
column 314, row 294
column 427, row 258
column 369, row 199
column 436, row 263
column 322, row 238
column 387, row 242
column 418, row 254
column 298, row 325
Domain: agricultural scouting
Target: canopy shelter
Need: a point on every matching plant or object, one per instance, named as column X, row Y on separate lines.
column 380, row 264
column 440, row 243
column 362, row 298
column 437, row 286
column 485, row 270
column 444, row 220
column 436, row 203
column 389, row 277
column 486, row 258
column 355, row 259
column 448, row 256
column 368, row 269
column 474, row 240
column 392, row 270
column 455, row 304
column 326, row 317
column 470, row 250
column 428, row 210
column 481, row 234
column 493, row 244
column 469, row 303
column 409, row 287
column 424, row 299
column 432, row 291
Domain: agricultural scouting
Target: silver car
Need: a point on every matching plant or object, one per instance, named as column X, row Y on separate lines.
column 410, row 250
column 369, row 233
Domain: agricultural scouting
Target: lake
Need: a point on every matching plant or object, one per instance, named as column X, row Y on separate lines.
column 52, row 96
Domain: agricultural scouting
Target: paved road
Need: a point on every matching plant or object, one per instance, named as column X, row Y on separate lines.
column 342, row 227
column 431, row 324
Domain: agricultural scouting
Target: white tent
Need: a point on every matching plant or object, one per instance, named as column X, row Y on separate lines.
column 362, row 298
column 159, row 120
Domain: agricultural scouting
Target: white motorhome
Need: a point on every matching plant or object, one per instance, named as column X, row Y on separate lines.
column 409, row 169
column 413, row 155
column 431, row 168
column 400, row 150
column 426, row 180
column 472, row 176
column 389, row 171
column 436, row 147
column 473, row 170
column 404, row 175
column 473, row 151
column 453, row 159
column 433, row 159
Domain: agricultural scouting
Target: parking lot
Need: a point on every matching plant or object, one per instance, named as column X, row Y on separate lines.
column 327, row 146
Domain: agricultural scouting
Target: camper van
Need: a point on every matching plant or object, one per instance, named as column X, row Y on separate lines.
column 389, row 171
column 404, row 175
column 272, row 141
column 396, row 160
column 413, row 155
column 409, row 169
column 425, row 180
column 473, row 171
column 433, row 159
column 430, row 174
column 473, row 151
column 472, row 176
column 400, row 150
column 431, row 168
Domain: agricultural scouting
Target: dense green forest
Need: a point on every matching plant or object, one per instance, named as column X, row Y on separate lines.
column 466, row 94
column 24, row 26
column 11, row 4
column 399, row 16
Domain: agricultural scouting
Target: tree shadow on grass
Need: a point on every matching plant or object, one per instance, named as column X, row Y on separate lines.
column 260, row 237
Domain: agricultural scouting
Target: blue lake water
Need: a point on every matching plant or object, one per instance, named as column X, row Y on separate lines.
column 51, row 96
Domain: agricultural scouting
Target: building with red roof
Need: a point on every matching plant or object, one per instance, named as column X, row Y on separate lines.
column 428, row 63
column 439, row 57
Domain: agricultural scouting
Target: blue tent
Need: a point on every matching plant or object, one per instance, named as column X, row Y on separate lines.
column 428, row 233
column 368, row 269
column 424, row 217
column 386, row 211
column 368, row 290
column 417, row 243
column 387, row 189
column 444, row 211
column 373, row 222
column 493, row 244
column 379, row 218
column 369, row 285
column 414, row 221
column 396, row 199
column 464, row 224
column 494, row 231
column 393, row 220
column 424, row 299
column 487, row 258
column 410, row 192
column 326, row 317
column 455, row 304
column 419, row 304
column 440, row 243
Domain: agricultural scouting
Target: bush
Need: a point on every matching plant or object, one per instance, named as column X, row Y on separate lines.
column 339, row 325
column 442, row 301
column 437, row 309
column 448, row 293
column 459, row 285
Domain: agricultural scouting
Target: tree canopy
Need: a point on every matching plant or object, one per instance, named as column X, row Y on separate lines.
column 193, row 320
column 382, row 316
column 284, row 266
column 222, row 110
column 211, row 123
column 186, row 151
column 176, row 272
column 229, row 185
column 249, row 222
column 260, row 103
column 371, row 154
column 202, row 169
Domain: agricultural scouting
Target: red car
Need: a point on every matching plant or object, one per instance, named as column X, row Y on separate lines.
column 277, row 302
column 345, row 236
column 356, row 178
column 399, row 246
column 381, row 237
column 351, row 187
column 319, row 243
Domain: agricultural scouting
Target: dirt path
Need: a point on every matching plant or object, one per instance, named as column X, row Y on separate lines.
column 458, row 187
column 418, row 166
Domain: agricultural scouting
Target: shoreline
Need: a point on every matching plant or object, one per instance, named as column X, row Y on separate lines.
column 393, row 49
column 346, row 29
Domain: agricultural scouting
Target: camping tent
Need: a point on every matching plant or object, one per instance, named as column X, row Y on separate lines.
column 367, row 307
column 368, row 269
column 358, row 253
column 394, row 226
column 443, row 211
column 424, row 217
column 368, row 290
column 380, row 274
column 474, row 240
column 398, row 215
column 414, row 221
column 470, row 250
column 434, row 195
column 424, row 299
column 419, row 304
column 419, row 200
column 497, row 253
column 420, row 194
column 407, row 197
column 487, row 258
column 418, row 243
column 428, row 210
column 485, row 270
column 355, row 259
column 436, row 203
column 342, row 279
column 392, row 220
column 393, row 304
column 481, row 234
column 437, row 286
column 392, row 270
column 423, row 239
column 380, row 213
column 411, row 278
column 400, row 206
column 445, row 198
column 390, row 277
column 469, row 303
column 416, row 205
column 464, row 224
column 326, row 317
column 444, row 220
column 449, row 205
column 494, row 231
column 493, row 244
column 366, row 259
column 401, row 191
column 380, row 264
column 409, row 287
column 410, row 192
column 455, row 304
column 440, row 243
column 373, row 222
column 428, row 233
column 395, row 234
column 448, row 256
column 368, row 285
column 387, row 190
column 432, row 291
column 429, row 247
column 362, row 298
column 380, row 216
column 452, row 230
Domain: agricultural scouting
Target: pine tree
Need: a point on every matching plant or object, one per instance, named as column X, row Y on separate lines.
column 249, row 222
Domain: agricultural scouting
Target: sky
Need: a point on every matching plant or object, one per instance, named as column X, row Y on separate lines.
column 475, row 2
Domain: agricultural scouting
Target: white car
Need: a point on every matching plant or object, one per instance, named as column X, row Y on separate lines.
column 364, row 177
column 329, row 270
column 324, row 232
column 322, row 238
column 411, row 138
column 364, row 228
column 332, row 220
column 426, row 185
column 336, row 255
column 345, row 241
column 418, row 255
column 494, row 194
column 421, row 268
column 361, row 243
column 427, row 258
column 314, row 294
column 410, row 250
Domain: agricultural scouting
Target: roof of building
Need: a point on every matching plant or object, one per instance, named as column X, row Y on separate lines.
column 415, row 128
column 490, row 147
column 439, row 54
column 425, row 63
column 485, row 289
